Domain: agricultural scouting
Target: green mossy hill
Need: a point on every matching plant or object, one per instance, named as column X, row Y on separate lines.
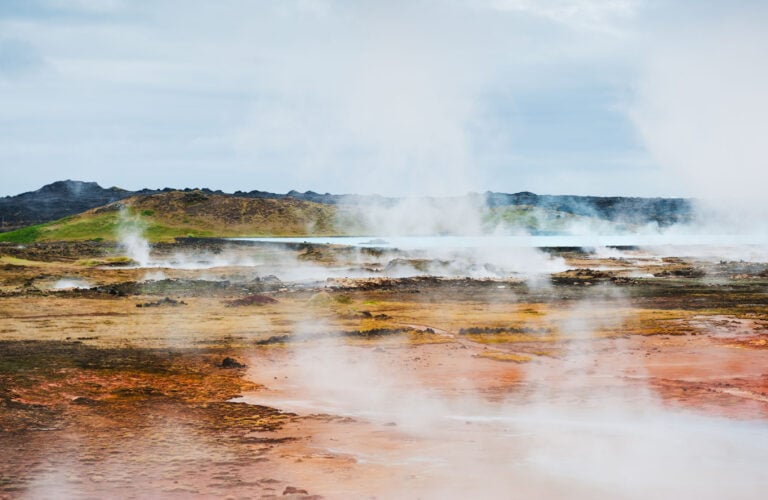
column 165, row 216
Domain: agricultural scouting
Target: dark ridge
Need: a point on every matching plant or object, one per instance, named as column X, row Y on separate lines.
column 57, row 200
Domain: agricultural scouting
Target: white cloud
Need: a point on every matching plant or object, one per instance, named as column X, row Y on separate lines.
column 389, row 110
column 391, row 97
column 89, row 6
column 590, row 15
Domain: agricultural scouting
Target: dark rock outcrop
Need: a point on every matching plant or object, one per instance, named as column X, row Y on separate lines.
column 55, row 201
column 231, row 363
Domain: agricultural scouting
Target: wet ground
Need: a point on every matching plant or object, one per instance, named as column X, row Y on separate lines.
column 221, row 372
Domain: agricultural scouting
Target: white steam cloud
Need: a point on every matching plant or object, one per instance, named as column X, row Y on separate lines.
column 130, row 234
column 389, row 112
column 702, row 111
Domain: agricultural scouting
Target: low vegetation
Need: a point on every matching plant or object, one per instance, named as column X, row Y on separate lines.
column 166, row 216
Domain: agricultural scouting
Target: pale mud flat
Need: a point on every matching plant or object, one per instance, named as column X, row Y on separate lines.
column 581, row 384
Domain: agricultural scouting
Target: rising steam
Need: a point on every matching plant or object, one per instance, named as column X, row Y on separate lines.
column 130, row 234
column 701, row 111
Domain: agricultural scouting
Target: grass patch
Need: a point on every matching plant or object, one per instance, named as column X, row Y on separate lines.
column 23, row 235
column 89, row 262
column 102, row 227
column 83, row 228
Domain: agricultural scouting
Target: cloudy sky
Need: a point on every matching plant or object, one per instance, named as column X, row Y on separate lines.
column 625, row 97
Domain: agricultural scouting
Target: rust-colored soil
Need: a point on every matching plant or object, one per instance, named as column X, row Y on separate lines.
column 353, row 388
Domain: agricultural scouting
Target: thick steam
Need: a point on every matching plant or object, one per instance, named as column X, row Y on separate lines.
column 701, row 111
column 131, row 238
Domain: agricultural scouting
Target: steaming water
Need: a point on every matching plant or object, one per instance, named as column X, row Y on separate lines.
column 536, row 241
column 154, row 276
column 606, row 444
column 638, row 450
column 69, row 283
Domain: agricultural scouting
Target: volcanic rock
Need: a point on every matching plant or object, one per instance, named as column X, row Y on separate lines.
column 290, row 490
column 231, row 363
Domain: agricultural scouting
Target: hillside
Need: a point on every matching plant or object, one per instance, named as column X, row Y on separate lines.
column 68, row 198
column 167, row 215
column 164, row 216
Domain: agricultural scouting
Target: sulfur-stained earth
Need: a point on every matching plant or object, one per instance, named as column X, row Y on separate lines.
column 228, row 380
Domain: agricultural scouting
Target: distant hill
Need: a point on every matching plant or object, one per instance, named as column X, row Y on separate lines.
column 65, row 198
column 92, row 211
column 167, row 215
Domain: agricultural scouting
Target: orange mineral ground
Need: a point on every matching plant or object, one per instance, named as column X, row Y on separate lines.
column 620, row 377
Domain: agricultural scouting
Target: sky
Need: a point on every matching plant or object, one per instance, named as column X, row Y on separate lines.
column 608, row 97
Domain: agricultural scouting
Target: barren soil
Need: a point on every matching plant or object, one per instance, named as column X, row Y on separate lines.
column 244, row 386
